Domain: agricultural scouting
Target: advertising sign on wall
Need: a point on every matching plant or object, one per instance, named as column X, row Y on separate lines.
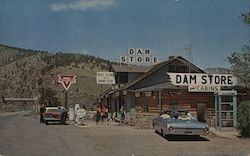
column 148, row 93
column 203, row 88
column 137, row 94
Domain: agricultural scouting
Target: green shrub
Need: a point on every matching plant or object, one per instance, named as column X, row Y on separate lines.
column 244, row 118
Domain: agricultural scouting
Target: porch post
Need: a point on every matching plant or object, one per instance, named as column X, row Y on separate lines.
column 160, row 106
column 235, row 110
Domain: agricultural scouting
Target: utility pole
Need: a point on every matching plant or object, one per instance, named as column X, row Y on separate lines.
column 187, row 48
column 101, row 89
column 190, row 56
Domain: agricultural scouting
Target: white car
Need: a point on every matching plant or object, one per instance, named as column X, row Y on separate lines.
column 167, row 124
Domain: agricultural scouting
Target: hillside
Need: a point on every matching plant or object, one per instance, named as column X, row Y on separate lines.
column 218, row 71
column 24, row 72
column 11, row 54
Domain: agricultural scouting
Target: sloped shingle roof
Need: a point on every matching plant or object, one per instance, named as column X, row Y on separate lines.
column 159, row 66
column 161, row 86
column 130, row 68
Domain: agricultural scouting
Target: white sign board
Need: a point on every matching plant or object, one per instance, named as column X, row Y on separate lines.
column 202, row 88
column 187, row 79
column 227, row 92
column 137, row 94
column 124, row 92
column 105, row 78
column 148, row 93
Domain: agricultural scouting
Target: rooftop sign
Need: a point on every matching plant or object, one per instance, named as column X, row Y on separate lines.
column 138, row 56
column 187, row 79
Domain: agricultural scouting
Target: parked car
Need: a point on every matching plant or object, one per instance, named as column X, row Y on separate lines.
column 175, row 122
column 51, row 114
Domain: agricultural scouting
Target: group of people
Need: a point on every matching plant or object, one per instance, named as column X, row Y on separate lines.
column 176, row 115
column 103, row 115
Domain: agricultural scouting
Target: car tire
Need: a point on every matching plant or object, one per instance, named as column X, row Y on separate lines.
column 154, row 128
column 162, row 133
column 46, row 123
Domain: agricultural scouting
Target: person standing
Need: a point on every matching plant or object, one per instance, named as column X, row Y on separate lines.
column 122, row 112
column 104, row 114
column 98, row 115
column 175, row 114
column 63, row 115
column 42, row 110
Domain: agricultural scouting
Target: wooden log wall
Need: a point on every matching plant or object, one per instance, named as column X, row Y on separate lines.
column 186, row 100
column 152, row 102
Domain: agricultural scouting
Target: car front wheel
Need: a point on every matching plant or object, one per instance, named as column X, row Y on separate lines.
column 154, row 128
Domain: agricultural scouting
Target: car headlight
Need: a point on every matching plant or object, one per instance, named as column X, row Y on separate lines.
column 170, row 128
column 206, row 129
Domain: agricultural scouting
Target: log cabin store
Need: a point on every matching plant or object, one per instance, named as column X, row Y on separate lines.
column 175, row 84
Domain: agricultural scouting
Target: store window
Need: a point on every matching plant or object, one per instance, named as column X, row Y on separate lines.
column 145, row 105
column 174, row 104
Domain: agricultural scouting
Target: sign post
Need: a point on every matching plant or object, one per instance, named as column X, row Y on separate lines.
column 66, row 81
column 66, row 100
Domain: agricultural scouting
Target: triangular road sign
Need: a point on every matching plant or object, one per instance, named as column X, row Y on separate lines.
column 66, row 80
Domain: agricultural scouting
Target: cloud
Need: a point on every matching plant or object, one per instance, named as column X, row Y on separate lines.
column 83, row 5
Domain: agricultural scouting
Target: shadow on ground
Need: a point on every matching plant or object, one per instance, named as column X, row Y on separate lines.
column 185, row 138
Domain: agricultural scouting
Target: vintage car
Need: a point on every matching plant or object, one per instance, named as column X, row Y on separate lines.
column 175, row 122
column 51, row 114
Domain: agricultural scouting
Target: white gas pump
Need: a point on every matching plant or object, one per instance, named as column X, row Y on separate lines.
column 81, row 115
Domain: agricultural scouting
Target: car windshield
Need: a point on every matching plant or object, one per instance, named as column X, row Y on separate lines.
column 53, row 110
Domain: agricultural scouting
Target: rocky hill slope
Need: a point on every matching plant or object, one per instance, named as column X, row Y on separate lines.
column 23, row 72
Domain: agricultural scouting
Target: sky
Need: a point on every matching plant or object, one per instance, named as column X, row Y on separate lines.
column 107, row 28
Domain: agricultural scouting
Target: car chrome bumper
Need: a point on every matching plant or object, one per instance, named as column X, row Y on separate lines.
column 187, row 132
column 51, row 119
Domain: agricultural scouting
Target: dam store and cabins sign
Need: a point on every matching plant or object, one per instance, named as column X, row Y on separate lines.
column 202, row 82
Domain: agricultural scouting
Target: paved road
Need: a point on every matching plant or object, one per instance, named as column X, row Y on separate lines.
column 22, row 134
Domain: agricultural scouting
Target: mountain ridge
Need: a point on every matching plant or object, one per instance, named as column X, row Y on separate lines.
column 24, row 71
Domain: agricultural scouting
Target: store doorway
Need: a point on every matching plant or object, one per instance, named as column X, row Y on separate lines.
column 201, row 112
column 145, row 105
